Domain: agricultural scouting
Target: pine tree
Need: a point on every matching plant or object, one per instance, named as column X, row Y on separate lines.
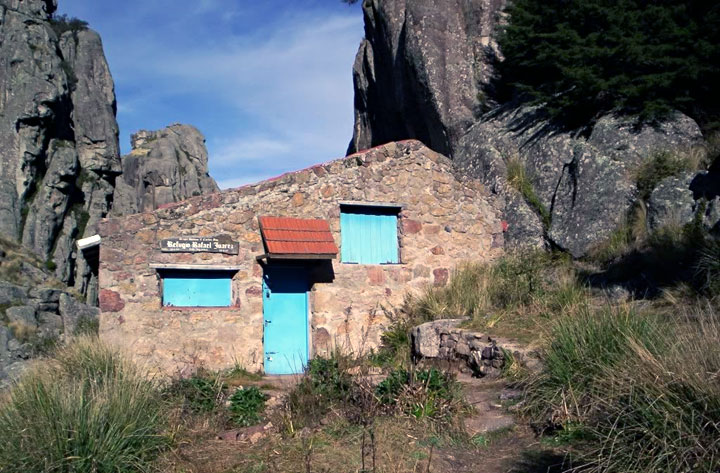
column 583, row 58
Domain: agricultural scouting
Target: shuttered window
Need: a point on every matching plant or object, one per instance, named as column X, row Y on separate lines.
column 202, row 288
column 369, row 234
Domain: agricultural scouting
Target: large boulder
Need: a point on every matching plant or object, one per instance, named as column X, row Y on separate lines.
column 164, row 166
column 584, row 183
column 74, row 312
column 421, row 70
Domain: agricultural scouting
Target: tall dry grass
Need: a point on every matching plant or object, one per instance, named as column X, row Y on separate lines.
column 87, row 410
column 642, row 387
column 511, row 296
column 659, row 411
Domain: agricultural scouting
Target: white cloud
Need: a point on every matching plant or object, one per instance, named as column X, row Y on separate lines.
column 274, row 98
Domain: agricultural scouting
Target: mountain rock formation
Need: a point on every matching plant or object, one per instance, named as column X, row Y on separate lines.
column 164, row 166
column 425, row 70
column 60, row 157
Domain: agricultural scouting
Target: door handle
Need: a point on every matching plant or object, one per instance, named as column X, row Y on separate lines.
column 268, row 322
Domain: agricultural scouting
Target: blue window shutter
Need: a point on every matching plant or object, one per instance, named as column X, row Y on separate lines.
column 368, row 235
column 197, row 288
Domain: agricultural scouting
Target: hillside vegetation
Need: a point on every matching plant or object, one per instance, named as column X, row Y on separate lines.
column 625, row 385
column 581, row 59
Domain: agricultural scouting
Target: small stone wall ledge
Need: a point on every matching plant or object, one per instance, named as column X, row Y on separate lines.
column 216, row 267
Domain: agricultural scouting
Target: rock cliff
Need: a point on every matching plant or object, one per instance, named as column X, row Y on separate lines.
column 60, row 157
column 164, row 166
column 425, row 70
column 60, row 139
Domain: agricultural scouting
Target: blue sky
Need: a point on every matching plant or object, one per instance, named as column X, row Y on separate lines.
column 268, row 82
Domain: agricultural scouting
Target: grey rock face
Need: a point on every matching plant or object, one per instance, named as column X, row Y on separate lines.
column 73, row 311
column 584, row 183
column 164, row 166
column 60, row 150
column 23, row 314
column 671, row 202
column 44, row 314
column 421, row 70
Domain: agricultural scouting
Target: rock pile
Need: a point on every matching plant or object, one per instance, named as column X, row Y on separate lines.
column 474, row 351
column 32, row 320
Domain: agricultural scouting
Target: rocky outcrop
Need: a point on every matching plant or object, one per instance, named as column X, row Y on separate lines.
column 425, row 70
column 60, row 138
column 421, row 70
column 585, row 184
column 60, row 157
column 165, row 166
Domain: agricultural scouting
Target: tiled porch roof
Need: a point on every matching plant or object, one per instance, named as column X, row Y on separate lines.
column 297, row 237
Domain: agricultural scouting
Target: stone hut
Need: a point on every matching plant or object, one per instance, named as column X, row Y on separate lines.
column 271, row 274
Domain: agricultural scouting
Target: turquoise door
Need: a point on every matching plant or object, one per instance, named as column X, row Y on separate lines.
column 285, row 312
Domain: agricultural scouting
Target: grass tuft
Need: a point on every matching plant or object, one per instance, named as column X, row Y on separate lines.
column 87, row 410
column 520, row 180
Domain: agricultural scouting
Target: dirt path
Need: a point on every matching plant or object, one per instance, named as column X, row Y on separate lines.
column 499, row 443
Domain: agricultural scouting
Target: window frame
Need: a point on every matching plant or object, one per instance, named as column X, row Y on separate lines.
column 171, row 273
column 391, row 209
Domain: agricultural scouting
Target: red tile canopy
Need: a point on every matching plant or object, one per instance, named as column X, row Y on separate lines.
column 297, row 238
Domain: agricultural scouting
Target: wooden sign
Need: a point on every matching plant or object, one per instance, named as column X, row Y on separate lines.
column 216, row 244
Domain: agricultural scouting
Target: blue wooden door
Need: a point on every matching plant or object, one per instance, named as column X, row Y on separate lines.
column 285, row 312
column 368, row 235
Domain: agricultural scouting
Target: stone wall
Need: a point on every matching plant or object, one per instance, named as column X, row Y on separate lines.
column 446, row 219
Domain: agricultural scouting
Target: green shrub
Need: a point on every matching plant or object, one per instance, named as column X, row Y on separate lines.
column 246, row 405
column 427, row 393
column 62, row 23
column 329, row 379
column 579, row 349
column 658, row 167
column 88, row 410
column 327, row 382
column 199, row 393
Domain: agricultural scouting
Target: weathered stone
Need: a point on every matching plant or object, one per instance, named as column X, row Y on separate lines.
column 426, row 337
column 73, row 311
column 671, row 202
column 421, row 70
column 298, row 199
column 411, row 226
column 23, row 314
column 60, row 150
column 165, row 166
column 376, row 276
column 11, row 294
column 437, row 250
column 582, row 183
column 110, row 301
column 440, row 276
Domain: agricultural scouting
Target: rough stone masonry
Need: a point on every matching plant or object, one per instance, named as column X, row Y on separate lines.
column 445, row 219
